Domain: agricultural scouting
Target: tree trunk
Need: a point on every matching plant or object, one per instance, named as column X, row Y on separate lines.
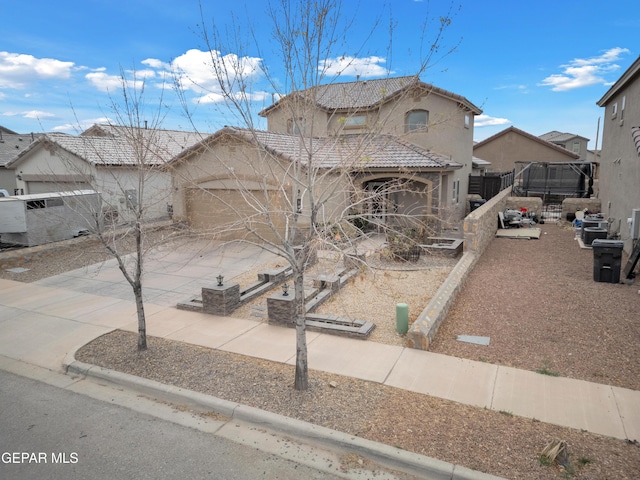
column 302, row 361
column 142, row 323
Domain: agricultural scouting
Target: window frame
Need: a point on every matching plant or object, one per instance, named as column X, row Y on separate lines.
column 410, row 127
column 576, row 147
column 355, row 121
column 296, row 127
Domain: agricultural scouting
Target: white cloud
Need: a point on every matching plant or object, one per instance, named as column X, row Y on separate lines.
column 350, row 66
column 144, row 74
column 199, row 72
column 109, row 83
column 37, row 114
column 582, row 72
column 487, row 121
column 519, row 87
column 18, row 70
column 157, row 64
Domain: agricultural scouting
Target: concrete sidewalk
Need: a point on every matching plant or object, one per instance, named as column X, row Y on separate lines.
column 41, row 324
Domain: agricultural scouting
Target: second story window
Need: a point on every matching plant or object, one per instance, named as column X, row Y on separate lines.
column 576, row 147
column 416, row 120
column 355, row 121
column 296, row 126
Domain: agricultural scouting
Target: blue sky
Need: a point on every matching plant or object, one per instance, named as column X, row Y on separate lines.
column 538, row 66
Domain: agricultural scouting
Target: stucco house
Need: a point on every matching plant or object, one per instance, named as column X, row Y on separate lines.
column 570, row 141
column 512, row 145
column 422, row 114
column 11, row 144
column 238, row 175
column 620, row 154
column 109, row 163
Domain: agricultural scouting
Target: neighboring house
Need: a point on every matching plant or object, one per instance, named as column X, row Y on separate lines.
column 479, row 166
column 570, row 141
column 429, row 117
column 108, row 164
column 620, row 154
column 235, row 175
column 513, row 145
column 11, row 144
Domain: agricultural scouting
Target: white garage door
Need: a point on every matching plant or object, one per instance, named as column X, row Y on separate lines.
column 48, row 187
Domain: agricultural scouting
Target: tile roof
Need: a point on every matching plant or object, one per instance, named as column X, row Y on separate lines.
column 364, row 94
column 114, row 149
column 347, row 151
column 171, row 142
column 12, row 144
column 555, row 136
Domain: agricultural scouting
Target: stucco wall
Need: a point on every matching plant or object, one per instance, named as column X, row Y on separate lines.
column 505, row 150
column 572, row 205
column 620, row 163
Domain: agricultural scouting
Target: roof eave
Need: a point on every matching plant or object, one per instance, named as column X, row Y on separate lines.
column 624, row 79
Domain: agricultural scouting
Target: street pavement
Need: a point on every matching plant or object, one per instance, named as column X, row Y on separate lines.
column 54, row 433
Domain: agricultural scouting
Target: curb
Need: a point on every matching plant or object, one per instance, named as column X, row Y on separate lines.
column 390, row 457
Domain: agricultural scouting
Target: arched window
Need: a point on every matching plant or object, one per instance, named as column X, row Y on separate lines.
column 416, row 120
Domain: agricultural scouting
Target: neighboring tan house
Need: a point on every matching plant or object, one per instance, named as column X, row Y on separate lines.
column 620, row 154
column 570, row 141
column 479, row 166
column 513, row 145
column 11, row 144
column 239, row 175
column 108, row 164
column 432, row 118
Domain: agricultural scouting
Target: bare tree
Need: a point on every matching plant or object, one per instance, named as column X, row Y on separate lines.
column 123, row 161
column 293, row 203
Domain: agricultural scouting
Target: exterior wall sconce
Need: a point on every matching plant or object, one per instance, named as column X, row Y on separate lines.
column 285, row 289
column 219, row 278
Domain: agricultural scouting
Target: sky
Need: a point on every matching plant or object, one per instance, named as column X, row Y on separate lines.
column 538, row 66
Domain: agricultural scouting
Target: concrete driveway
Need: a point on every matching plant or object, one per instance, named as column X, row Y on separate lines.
column 171, row 274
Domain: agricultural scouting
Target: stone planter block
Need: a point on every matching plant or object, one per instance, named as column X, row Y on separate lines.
column 221, row 300
column 281, row 310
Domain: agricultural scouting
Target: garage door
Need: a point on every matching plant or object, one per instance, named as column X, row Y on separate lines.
column 48, row 187
column 227, row 215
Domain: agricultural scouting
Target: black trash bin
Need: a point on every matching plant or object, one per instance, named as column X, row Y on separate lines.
column 476, row 204
column 607, row 260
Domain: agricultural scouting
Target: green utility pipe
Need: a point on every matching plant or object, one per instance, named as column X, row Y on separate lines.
column 402, row 318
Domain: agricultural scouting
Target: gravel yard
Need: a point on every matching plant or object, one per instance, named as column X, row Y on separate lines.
column 535, row 299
